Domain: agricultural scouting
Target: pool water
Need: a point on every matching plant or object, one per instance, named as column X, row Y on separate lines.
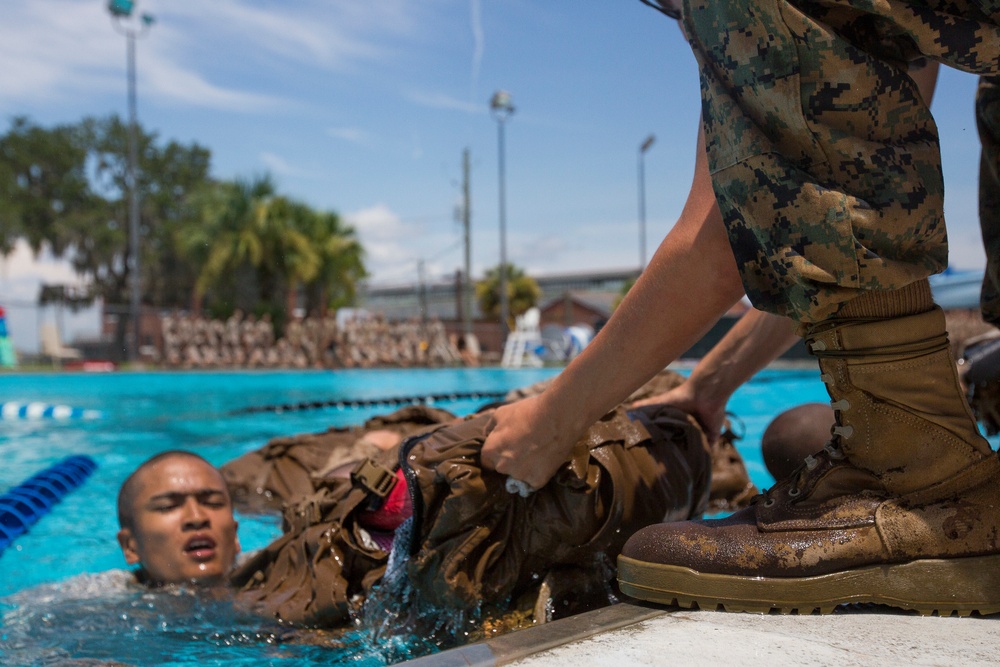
column 57, row 597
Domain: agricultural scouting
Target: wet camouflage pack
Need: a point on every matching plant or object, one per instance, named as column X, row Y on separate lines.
column 824, row 157
column 319, row 570
column 474, row 543
column 287, row 468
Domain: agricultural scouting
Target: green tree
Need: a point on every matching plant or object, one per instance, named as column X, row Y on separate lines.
column 252, row 227
column 257, row 247
column 170, row 177
column 44, row 189
column 522, row 292
column 341, row 263
column 66, row 188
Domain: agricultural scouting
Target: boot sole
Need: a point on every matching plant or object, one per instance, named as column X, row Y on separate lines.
column 945, row 587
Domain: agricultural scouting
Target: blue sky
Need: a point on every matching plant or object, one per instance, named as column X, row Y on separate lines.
column 365, row 108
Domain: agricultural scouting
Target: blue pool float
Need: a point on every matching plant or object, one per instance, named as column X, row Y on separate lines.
column 26, row 503
column 37, row 410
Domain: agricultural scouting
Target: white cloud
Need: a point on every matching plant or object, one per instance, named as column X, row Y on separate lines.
column 351, row 134
column 443, row 101
column 52, row 50
column 166, row 80
column 394, row 246
column 476, row 20
column 330, row 35
column 386, row 238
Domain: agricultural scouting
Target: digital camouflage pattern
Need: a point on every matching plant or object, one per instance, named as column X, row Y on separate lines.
column 824, row 158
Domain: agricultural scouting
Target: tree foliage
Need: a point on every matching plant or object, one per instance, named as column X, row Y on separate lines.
column 522, row 292
column 44, row 191
column 287, row 246
column 232, row 243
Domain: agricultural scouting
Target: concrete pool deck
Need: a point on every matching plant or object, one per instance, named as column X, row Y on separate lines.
column 632, row 634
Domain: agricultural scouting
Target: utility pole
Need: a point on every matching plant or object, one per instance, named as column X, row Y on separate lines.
column 467, row 235
column 503, row 109
column 121, row 12
column 422, row 294
column 645, row 146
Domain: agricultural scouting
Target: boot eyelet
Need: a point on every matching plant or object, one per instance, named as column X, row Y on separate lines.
column 845, row 431
column 769, row 502
column 793, row 492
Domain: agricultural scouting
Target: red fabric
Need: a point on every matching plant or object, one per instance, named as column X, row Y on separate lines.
column 395, row 509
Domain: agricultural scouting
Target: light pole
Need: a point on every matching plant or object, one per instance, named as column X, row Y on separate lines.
column 502, row 109
column 467, row 238
column 645, row 146
column 121, row 14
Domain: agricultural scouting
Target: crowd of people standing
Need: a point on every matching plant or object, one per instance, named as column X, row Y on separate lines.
column 246, row 341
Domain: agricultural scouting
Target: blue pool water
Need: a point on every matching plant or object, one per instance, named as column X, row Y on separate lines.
column 49, row 611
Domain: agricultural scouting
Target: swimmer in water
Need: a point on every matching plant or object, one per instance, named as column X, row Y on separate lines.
column 177, row 521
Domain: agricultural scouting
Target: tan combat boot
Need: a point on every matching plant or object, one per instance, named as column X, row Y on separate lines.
column 902, row 507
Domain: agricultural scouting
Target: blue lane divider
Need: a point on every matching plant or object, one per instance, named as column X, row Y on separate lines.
column 22, row 506
column 36, row 410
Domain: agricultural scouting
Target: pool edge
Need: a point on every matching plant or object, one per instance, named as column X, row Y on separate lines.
column 523, row 643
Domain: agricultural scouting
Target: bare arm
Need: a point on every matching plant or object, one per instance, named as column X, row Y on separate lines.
column 690, row 282
column 757, row 339
column 753, row 342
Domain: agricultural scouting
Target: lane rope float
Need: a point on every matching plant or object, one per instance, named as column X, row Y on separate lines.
column 12, row 410
column 351, row 404
column 22, row 506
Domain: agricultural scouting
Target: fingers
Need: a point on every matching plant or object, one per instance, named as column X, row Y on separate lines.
column 523, row 446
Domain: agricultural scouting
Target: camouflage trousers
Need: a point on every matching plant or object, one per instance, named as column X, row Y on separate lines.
column 824, row 157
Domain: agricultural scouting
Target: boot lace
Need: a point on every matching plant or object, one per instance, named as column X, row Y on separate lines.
column 831, row 451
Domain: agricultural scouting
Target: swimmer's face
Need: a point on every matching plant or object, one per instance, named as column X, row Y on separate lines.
column 183, row 527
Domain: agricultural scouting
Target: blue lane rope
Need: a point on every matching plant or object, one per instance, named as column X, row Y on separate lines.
column 349, row 404
column 22, row 506
column 35, row 410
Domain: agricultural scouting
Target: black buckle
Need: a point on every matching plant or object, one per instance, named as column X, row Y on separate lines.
column 377, row 480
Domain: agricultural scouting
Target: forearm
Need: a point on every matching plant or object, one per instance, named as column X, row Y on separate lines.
column 690, row 282
column 756, row 339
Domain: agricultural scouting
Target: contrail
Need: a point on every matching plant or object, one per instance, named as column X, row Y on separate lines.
column 477, row 53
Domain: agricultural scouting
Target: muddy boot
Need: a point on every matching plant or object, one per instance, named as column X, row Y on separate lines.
column 902, row 507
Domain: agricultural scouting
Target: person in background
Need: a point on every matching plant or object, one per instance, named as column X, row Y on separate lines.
column 825, row 207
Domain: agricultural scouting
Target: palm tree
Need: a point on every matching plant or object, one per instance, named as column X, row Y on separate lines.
column 288, row 257
column 226, row 238
column 341, row 262
column 247, row 225
column 522, row 292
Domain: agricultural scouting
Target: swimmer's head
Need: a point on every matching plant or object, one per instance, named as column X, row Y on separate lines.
column 177, row 520
column 793, row 435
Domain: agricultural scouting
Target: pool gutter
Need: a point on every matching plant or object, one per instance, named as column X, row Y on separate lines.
column 514, row 646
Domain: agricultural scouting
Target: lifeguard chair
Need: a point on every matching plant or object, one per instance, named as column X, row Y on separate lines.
column 524, row 341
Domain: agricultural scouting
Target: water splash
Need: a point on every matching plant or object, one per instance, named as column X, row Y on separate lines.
column 404, row 625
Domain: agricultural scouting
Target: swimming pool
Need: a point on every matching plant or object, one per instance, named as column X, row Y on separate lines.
column 50, row 612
